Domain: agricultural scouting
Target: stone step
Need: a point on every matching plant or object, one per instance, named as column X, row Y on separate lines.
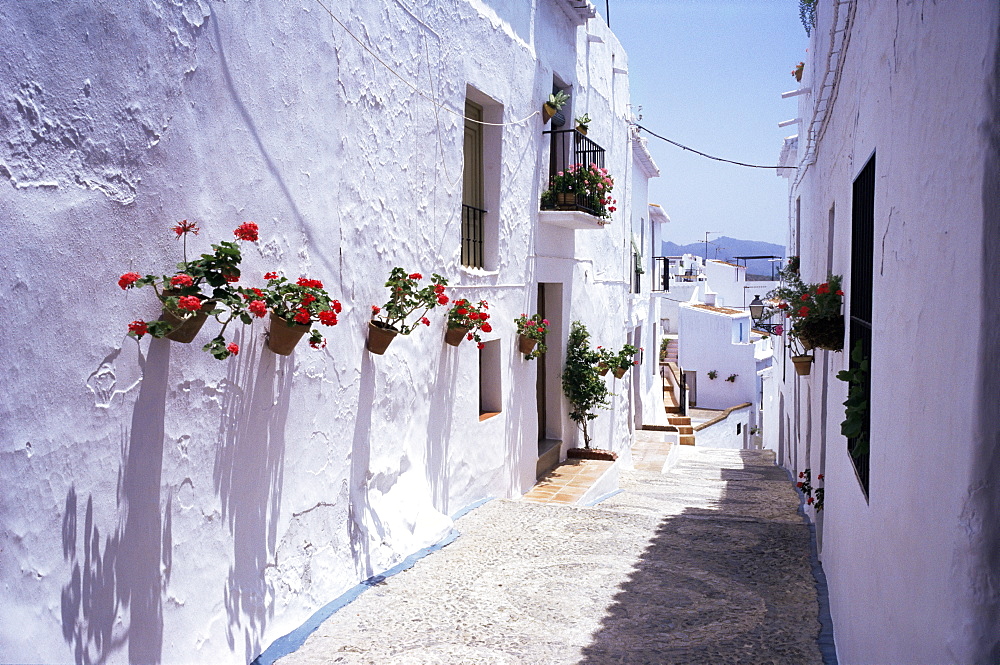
column 687, row 439
column 684, row 429
column 680, row 420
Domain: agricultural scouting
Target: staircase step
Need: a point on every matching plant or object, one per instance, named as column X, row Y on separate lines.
column 680, row 420
column 685, row 429
column 687, row 439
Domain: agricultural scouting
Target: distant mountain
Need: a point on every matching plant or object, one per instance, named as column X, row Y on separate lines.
column 727, row 249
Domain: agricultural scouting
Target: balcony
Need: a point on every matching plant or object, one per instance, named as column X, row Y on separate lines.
column 574, row 210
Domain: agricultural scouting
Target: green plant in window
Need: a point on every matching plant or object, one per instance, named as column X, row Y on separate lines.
column 712, row 374
column 855, row 424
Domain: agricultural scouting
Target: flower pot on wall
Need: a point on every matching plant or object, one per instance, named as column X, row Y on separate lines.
column 283, row 336
column 454, row 336
column 803, row 364
column 602, row 368
column 823, row 333
column 525, row 344
column 565, row 200
column 379, row 337
column 581, row 129
column 619, row 372
column 187, row 329
column 547, row 112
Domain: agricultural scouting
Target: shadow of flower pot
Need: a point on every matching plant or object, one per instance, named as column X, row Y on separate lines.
column 283, row 335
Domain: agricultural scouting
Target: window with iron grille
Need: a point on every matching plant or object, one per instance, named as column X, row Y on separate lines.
column 862, row 273
column 473, row 212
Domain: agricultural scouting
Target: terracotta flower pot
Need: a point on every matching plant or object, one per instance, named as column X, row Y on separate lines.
column 602, row 368
column 619, row 372
column 547, row 112
column 803, row 364
column 581, row 129
column 525, row 344
column 187, row 329
column 283, row 335
column 454, row 336
column 379, row 337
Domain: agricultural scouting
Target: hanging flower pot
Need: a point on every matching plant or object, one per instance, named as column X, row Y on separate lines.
column 548, row 111
column 602, row 368
column 380, row 335
column 525, row 344
column 283, row 336
column 619, row 372
column 803, row 364
column 187, row 329
column 454, row 336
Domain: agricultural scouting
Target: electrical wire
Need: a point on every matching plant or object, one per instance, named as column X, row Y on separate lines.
column 698, row 152
column 415, row 88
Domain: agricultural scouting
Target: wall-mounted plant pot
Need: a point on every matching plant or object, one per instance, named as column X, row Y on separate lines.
column 581, row 129
column 602, row 368
column 548, row 111
column 187, row 329
column 525, row 344
column 823, row 333
column 619, row 372
column 803, row 364
column 565, row 200
column 558, row 120
column 283, row 336
column 380, row 335
column 454, row 336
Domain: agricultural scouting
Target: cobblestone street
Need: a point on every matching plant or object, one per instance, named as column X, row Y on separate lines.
column 708, row 563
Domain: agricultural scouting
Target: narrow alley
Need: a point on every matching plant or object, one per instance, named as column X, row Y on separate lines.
column 707, row 563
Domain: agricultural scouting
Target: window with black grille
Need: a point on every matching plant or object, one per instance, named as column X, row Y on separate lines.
column 472, row 188
column 862, row 261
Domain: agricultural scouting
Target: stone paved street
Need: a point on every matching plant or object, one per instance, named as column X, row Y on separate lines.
column 708, row 563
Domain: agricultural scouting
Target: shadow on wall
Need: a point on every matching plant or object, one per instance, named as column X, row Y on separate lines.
column 249, row 474
column 124, row 573
column 719, row 585
column 439, row 424
column 362, row 518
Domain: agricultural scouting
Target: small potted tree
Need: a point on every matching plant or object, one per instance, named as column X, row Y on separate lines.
column 583, row 385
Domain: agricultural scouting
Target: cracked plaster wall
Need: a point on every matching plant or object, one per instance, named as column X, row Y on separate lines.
column 902, row 565
column 161, row 506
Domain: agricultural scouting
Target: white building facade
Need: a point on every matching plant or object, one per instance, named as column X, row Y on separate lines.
column 894, row 185
column 165, row 507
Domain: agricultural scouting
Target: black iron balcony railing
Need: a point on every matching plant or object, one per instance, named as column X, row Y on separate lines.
column 472, row 236
column 569, row 147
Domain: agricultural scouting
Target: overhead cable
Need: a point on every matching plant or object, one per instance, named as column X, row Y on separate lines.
column 718, row 159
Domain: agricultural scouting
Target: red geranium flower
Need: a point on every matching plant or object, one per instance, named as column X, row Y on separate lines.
column 803, row 311
column 439, row 289
column 181, row 280
column 425, row 321
column 303, row 316
column 809, row 501
column 805, row 296
column 308, row 298
column 823, row 289
column 233, row 349
column 317, row 345
column 481, row 346
column 376, row 309
column 138, row 328
column 185, row 227
column 416, row 275
column 783, row 305
column 798, row 484
column 190, row 303
column 258, row 308
column 328, row 317
column 232, row 278
column 246, row 231
column 839, row 292
column 462, row 311
column 469, row 337
column 819, row 477
column 337, row 307
column 442, row 299
column 128, row 279
column 487, row 328
column 802, row 474
column 270, row 275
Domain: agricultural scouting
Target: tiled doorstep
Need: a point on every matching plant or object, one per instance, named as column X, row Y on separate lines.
column 575, row 481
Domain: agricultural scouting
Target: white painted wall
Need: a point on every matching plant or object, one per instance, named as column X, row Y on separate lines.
column 911, row 567
column 708, row 340
column 165, row 507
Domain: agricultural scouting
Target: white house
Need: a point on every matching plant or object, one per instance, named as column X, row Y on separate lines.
column 894, row 183
column 165, row 507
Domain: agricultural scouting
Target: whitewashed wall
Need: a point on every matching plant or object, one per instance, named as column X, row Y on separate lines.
column 706, row 343
column 161, row 506
column 912, row 568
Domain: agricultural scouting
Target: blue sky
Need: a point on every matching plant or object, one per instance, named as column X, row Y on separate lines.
column 709, row 74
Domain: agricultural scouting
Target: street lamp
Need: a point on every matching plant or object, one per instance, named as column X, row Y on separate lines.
column 757, row 313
